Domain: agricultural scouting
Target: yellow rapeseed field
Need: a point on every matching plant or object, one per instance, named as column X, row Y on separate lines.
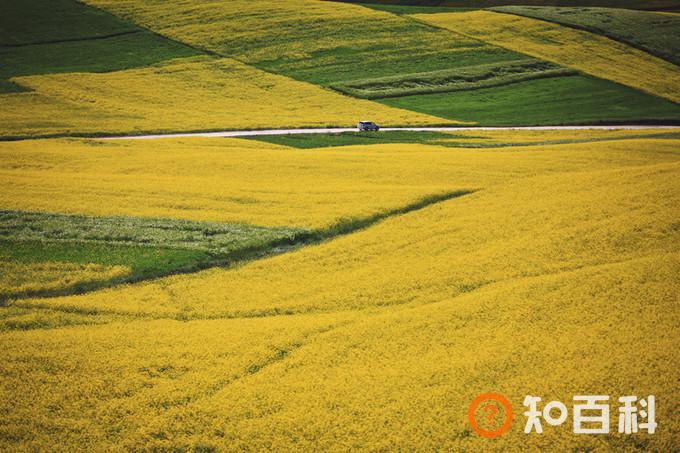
column 199, row 93
column 585, row 51
column 558, row 277
column 520, row 234
column 234, row 180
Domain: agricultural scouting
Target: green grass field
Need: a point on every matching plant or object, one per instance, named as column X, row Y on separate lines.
column 150, row 247
column 45, row 21
column 562, row 100
column 658, row 34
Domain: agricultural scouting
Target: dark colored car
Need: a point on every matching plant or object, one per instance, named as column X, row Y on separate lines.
column 367, row 126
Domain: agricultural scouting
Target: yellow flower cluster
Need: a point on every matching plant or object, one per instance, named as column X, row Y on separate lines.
column 29, row 278
column 200, row 93
column 587, row 52
column 558, row 277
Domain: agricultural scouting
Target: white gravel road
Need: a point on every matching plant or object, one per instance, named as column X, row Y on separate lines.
column 335, row 130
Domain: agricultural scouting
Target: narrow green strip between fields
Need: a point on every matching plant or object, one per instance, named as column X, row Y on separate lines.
column 458, row 79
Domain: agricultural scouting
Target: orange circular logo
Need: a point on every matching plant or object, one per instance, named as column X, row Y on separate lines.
column 488, row 413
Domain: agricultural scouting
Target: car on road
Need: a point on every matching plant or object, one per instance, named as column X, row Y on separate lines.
column 367, row 126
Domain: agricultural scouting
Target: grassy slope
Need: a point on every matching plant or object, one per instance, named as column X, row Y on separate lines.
column 330, row 42
column 590, row 53
column 569, row 256
column 563, row 100
column 651, row 32
column 66, row 36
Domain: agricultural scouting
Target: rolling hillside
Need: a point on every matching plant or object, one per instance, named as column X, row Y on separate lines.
column 336, row 291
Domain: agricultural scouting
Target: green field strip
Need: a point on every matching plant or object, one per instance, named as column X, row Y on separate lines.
column 458, row 79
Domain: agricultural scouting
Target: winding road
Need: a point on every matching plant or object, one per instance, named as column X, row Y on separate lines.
column 335, row 130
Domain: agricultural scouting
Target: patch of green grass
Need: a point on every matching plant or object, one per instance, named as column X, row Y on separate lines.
column 145, row 261
column 44, row 37
column 459, row 79
column 415, row 9
column 657, row 34
column 308, row 141
column 215, row 238
column 562, row 100
column 150, row 247
column 41, row 21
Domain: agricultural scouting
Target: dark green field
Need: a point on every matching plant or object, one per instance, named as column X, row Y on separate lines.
column 563, row 100
column 658, row 34
column 42, row 21
column 127, row 51
column 66, row 36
